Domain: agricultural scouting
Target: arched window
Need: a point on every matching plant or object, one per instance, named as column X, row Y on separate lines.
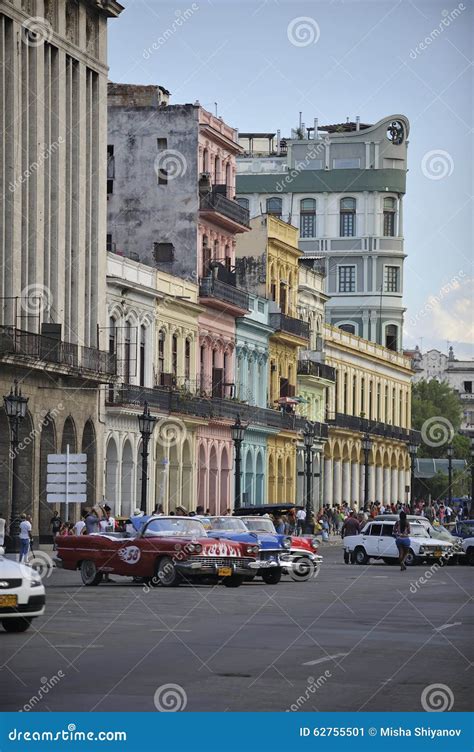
column 391, row 337
column 244, row 203
column 274, row 206
column 389, row 208
column 142, row 356
column 228, row 177
column 205, row 161
column 362, row 395
column 161, row 351
column 227, row 258
column 206, row 256
column 308, row 218
column 174, row 355
column 348, row 217
column 350, row 328
column 217, row 170
column 187, row 358
column 127, row 352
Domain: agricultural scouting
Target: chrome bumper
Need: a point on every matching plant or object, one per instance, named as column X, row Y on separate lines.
column 197, row 568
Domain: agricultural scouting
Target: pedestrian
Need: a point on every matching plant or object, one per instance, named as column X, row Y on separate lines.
column 279, row 524
column 107, row 523
column 300, row 520
column 67, row 528
column 80, row 525
column 25, row 537
column 351, row 525
column 92, row 522
column 401, row 531
column 55, row 526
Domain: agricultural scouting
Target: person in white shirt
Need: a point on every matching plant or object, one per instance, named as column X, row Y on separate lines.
column 79, row 527
column 25, row 538
column 300, row 520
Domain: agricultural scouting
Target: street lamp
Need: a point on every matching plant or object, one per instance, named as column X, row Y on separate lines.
column 450, row 452
column 237, row 431
column 366, row 446
column 412, row 449
column 15, row 408
column 308, row 439
column 146, row 424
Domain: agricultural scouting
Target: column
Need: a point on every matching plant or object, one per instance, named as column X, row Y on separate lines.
column 401, row 486
column 355, row 484
column 379, row 483
column 361, row 483
column 337, row 487
column 386, row 484
column 394, row 486
column 371, row 483
column 346, row 482
column 328, row 485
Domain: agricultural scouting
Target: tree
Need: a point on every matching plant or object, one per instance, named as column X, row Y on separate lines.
column 437, row 413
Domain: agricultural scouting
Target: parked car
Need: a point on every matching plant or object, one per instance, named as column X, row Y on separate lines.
column 376, row 541
column 271, row 545
column 463, row 529
column 434, row 530
column 468, row 547
column 301, row 557
column 165, row 550
column 22, row 593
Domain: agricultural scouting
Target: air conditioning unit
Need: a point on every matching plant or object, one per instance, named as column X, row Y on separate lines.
column 167, row 379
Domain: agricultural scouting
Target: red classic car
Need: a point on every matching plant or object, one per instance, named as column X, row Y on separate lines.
column 165, row 550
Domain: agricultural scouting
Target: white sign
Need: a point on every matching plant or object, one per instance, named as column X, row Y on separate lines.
column 66, row 480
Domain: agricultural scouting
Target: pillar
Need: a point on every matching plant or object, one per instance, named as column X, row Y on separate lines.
column 328, row 485
column 401, row 486
column 394, row 486
column 337, row 482
column 386, row 485
column 371, row 483
column 355, row 484
column 379, row 492
column 346, row 482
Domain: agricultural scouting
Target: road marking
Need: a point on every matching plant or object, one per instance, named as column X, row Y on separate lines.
column 325, row 658
column 81, row 647
column 447, row 626
column 170, row 630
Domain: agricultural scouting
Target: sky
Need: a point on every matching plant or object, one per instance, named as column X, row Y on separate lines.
column 258, row 63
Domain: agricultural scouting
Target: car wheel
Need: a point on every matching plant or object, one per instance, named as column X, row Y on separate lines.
column 347, row 557
column 234, row 581
column 360, row 556
column 272, row 576
column 470, row 556
column 166, row 572
column 410, row 559
column 89, row 573
column 16, row 625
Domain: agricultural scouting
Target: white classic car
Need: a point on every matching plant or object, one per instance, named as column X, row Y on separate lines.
column 376, row 541
column 468, row 548
column 22, row 594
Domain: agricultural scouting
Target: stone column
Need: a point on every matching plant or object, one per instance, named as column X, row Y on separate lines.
column 371, row 483
column 386, row 494
column 379, row 483
column 401, row 486
column 394, row 485
column 346, row 482
column 337, row 487
column 355, row 483
column 328, row 485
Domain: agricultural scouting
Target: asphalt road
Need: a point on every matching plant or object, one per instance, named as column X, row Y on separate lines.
column 368, row 641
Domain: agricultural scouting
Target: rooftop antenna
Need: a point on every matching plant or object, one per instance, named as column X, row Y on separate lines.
column 301, row 120
column 215, row 105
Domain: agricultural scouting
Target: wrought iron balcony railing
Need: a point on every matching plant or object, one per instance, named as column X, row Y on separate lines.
column 313, row 368
column 209, row 287
column 282, row 323
column 377, row 428
column 218, row 202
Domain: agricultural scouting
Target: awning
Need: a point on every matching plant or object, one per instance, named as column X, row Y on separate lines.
column 426, row 467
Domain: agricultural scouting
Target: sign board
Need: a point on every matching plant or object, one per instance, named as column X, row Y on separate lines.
column 66, row 480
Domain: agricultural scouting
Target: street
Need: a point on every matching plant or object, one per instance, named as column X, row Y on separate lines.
column 354, row 638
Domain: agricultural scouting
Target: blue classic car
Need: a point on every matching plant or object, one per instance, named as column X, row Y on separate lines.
column 272, row 546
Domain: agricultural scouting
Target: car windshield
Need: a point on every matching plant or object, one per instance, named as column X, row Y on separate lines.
column 229, row 524
column 178, row 526
column 259, row 525
column 417, row 530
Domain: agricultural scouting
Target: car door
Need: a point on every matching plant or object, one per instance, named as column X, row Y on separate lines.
column 370, row 538
column 386, row 542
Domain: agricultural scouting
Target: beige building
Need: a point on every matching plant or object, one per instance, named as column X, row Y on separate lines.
column 371, row 393
column 52, row 244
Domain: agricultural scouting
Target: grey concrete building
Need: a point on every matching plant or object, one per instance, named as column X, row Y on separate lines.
column 53, row 337
column 342, row 185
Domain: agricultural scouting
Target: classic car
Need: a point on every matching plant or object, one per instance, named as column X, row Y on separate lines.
column 462, row 529
column 270, row 544
column 468, row 548
column 165, row 550
column 376, row 541
column 433, row 530
column 22, row 594
column 300, row 558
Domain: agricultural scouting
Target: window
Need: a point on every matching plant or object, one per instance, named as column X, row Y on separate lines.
column 348, row 217
column 346, row 164
column 468, row 387
column 110, row 169
column 350, row 328
column 202, row 364
column 217, row 170
column 389, row 206
column 274, row 206
column 354, row 394
column 346, row 278
column 261, row 306
column 174, row 355
column 162, row 144
column 109, row 244
column 282, row 297
column 187, row 359
column 243, row 202
column 161, row 351
column 163, row 252
column 391, row 337
column 206, row 257
column 362, row 394
column 376, row 529
column 308, row 218
column 392, row 274
column 228, row 176
column 227, row 258
column 205, row 161
column 142, row 355
column 387, row 530
column 127, row 352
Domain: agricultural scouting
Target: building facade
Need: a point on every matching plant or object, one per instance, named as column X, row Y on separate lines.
column 52, row 284
column 342, row 185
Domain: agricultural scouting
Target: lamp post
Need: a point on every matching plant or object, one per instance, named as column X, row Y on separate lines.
column 146, row 423
column 238, row 432
column 412, row 449
column 366, row 446
column 450, row 452
column 15, row 407
column 308, row 439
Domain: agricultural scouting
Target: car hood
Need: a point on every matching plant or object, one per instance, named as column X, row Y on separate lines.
column 13, row 569
column 430, row 541
column 264, row 540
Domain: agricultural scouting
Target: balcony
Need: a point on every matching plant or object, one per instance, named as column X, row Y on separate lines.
column 376, row 428
column 234, row 216
column 29, row 345
column 289, row 325
column 313, row 368
column 221, row 295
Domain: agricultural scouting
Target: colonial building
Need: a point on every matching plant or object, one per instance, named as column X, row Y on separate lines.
column 342, row 185
column 52, row 284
